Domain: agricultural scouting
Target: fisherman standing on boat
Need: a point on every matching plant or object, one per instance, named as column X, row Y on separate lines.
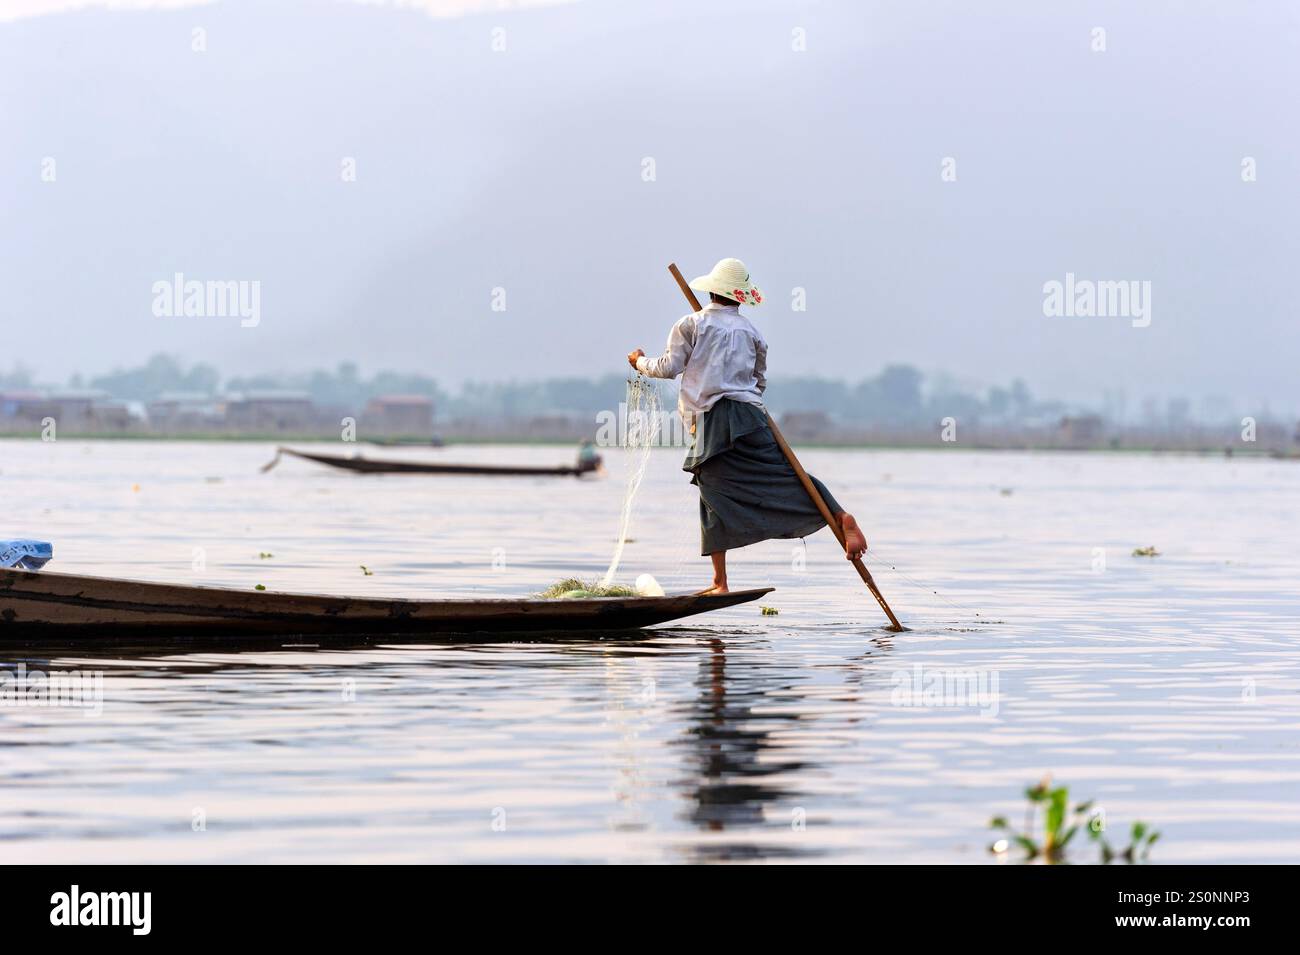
column 748, row 490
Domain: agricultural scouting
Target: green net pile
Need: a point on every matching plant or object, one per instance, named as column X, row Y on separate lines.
column 571, row 588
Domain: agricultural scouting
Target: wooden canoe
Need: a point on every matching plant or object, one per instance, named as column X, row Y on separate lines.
column 35, row 605
column 378, row 466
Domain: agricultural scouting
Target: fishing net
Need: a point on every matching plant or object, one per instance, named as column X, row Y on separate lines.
column 641, row 434
column 641, row 429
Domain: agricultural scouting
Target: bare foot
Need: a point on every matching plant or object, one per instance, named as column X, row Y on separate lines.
column 855, row 542
column 717, row 588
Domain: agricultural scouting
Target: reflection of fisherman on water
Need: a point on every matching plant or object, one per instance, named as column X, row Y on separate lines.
column 736, row 731
column 731, row 748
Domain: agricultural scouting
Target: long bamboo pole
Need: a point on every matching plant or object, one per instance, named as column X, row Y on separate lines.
column 804, row 479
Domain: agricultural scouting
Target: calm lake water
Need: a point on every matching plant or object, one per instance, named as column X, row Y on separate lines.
column 1167, row 688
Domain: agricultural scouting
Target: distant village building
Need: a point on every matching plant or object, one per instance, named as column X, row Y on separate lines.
column 557, row 426
column 267, row 412
column 76, row 411
column 178, row 411
column 73, row 409
column 14, row 404
column 399, row 415
column 806, row 425
column 111, row 415
column 1082, row 431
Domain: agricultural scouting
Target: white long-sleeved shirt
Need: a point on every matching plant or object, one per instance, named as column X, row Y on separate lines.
column 719, row 354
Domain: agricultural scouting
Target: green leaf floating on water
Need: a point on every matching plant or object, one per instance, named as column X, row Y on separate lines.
column 1060, row 798
column 1145, row 552
column 1029, row 845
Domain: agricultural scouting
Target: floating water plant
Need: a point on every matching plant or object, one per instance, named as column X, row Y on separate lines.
column 367, row 571
column 571, row 587
column 1061, row 824
column 769, row 611
column 1140, row 841
column 265, row 555
column 260, row 587
column 1145, row 552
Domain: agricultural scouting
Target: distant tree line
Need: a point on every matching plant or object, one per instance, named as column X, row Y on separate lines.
column 897, row 395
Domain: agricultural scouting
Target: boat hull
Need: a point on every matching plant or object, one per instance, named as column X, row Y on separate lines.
column 362, row 465
column 40, row 605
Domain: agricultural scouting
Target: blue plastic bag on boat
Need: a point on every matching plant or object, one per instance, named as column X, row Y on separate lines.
column 25, row 554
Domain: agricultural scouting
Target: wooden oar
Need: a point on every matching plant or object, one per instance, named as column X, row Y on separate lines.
column 806, row 481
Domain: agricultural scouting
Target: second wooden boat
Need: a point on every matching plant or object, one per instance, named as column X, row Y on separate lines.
column 37, row 605
column 363, row 465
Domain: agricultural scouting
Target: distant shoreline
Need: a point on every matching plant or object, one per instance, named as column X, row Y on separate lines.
column 386, row 444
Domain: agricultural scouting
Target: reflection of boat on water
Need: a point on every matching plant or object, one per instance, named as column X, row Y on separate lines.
column 36, row 605
column 588, row 462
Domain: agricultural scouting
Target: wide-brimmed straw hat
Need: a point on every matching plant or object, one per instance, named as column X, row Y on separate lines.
column 730, row 279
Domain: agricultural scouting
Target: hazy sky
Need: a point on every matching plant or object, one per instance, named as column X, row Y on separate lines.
column 807, row 138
